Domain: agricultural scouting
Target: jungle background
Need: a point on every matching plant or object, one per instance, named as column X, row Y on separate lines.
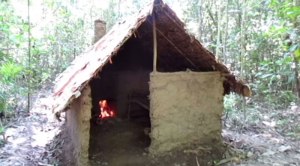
column 259, row 41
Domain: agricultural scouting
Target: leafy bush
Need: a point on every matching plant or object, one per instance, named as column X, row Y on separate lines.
column 231, row 103
column 9, row 72
column 2, row 103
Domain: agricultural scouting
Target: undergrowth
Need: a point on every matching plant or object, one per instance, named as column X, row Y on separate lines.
column 280, row 111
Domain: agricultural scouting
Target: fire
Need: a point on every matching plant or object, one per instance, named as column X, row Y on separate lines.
column 106, row 111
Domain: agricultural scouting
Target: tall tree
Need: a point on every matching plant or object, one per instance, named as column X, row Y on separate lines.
column 296, row 53
column 29, row 58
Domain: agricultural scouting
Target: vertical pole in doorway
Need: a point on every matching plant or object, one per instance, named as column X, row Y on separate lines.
column 154, row 42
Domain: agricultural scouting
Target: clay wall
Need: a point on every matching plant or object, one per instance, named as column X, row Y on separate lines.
column 78, row 124
column 185, row 108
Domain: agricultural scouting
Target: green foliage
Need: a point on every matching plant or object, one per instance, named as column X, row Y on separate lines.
column 297, row 54
column 231, row 102
column 274, row 80
column 52, row 47
column 259, row 42
column 285, row 9
column 11, row 58
column 2, row 133
column 2, row 129
column 10, row 71
column 2, row 103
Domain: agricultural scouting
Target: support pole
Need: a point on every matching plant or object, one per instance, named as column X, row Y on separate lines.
column 154, row 43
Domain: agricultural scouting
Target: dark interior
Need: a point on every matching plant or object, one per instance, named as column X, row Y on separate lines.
column 123, row 82
column 124, row 78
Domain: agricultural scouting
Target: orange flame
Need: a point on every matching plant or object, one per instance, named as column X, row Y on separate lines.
column 106, row 111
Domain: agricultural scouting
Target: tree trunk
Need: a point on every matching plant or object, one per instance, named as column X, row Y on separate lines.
column 296, row 73
column 218, row 50
column 29, row 59
column 242, row 39
column 225, row 35
column 200, row 18
column 296, row 69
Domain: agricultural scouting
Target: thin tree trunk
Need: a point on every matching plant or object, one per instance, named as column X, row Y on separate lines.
column 242, row 38
column 225, row 35
column 29, row 59
column 296, row 73
column 218, row 50
column 200, row 28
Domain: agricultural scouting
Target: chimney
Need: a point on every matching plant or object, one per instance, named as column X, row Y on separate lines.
column 99, row 30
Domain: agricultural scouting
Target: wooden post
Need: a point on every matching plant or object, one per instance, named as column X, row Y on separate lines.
column 154, row 43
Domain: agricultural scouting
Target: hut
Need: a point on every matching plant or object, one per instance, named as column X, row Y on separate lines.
column 146, row 72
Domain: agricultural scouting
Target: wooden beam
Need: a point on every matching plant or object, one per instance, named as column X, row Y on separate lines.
column 154, row 43
column 176, row 48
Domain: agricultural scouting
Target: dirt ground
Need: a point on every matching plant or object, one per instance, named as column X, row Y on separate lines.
column 124, row 142
column 28, row 136
column 117, row 142
column 267, row 137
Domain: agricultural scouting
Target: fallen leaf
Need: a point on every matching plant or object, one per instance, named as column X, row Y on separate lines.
column 269, row 153
column 284, row 148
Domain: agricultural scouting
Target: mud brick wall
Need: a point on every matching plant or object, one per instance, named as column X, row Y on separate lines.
column 78, row 123
column 185, row 108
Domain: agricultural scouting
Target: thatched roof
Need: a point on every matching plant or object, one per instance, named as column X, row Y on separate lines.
column 171, row 33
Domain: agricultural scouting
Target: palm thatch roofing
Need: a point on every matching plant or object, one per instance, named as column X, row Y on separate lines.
column 177, row 51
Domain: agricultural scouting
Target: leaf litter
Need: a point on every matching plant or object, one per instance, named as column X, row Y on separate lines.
column 28, row 137
column 271, row 139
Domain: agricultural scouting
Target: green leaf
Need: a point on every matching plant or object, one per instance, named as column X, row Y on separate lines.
column 297, row 55
column 266, row 76
column 293, row 12
column 293, row 48
column 10, row 71
column 288, row 59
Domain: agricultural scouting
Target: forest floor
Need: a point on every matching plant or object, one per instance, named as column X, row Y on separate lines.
column 265, row 137
column 28, row 137
column 268, row 137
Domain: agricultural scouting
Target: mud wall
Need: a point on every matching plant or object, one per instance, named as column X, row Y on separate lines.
column 78, row 123
column 185, row 108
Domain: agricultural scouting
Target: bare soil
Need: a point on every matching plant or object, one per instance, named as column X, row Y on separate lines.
column 118, row 142
column 28, row 135
column 123, row 142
